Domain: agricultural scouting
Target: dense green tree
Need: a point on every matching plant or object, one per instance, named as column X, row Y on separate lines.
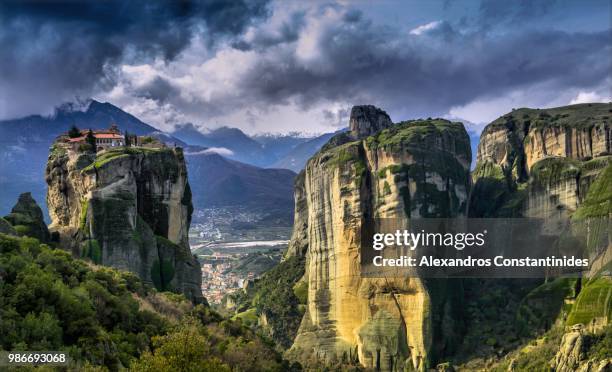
column 276, row 296
column 90, row 139
column 74, row 132
column 183, row 350
column 107, row 319
column 51, row 301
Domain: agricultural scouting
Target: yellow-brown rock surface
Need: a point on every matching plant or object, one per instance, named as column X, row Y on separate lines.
column 377, row 170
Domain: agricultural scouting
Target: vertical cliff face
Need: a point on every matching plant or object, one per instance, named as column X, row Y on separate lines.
column 540, row 162
column 128, row 208
column 556, row 164
column 377, row 170
column 518, row 140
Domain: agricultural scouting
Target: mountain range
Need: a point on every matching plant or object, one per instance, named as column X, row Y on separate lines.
column 217, row 181
column 234, row 159
column 289, row 151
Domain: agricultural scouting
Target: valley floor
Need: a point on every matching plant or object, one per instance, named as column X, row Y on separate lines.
column 234, row 246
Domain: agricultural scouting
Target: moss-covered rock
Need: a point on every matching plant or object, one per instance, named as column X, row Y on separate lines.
column 129, row 208
column 551, row 164
column 412, row 169
column 593, row 304
column 544, row 305
column 598, row 202
column 550, row 171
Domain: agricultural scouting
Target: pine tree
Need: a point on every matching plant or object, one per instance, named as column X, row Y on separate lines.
column 74, row 132
column 91, row 140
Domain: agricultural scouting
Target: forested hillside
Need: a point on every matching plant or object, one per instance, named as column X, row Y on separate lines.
column 106, row 319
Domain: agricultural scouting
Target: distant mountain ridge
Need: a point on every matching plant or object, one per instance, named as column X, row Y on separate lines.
column 288, row 151
column 26, row 141
column 231, row 183
column 296, row 158
column 242, row 147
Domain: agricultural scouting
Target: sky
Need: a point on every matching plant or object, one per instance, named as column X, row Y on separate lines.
column 286, row 66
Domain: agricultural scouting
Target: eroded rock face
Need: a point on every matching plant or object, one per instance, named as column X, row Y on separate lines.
column 298, row 246
column 129, row 208
column 572, row 357
column 543, row 160
column 417, row 168
column 520, row 139
column 367, row 120
column 555, row 164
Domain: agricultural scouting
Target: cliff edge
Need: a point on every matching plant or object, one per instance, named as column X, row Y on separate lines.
column 126, row 207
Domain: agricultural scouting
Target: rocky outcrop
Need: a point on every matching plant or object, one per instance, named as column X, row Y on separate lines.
column 518, row 140
column 572, row 356
column 379, row 170
column 556, row 164
column 129, row 208
column 27, row 218
column 367, row 120
column 541, row 162
column 298, row 245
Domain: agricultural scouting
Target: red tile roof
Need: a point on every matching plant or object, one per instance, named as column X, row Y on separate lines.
column 108, row 135
column 97, row 135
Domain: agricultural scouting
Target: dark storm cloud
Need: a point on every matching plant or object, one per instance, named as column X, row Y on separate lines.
column 314, row 56
column 431, row 72
column 492, row 12
column 53, row 50
column 337, row 119
column 288, row 32
column 158, row 89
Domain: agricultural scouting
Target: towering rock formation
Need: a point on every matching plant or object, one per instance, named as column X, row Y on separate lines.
column 129, row 208
column 540, row 162
column 27, row 218
column 556, row 164
column 572, row 356
column 518, row 140
column 377, row 170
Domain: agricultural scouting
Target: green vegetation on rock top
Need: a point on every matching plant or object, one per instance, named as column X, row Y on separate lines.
column 413, row 133
column 488, row 169
column 574, row 116
column 421, row 133
column 120, row 153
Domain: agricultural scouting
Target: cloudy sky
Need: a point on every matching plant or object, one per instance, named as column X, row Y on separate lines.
column 280, row 66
